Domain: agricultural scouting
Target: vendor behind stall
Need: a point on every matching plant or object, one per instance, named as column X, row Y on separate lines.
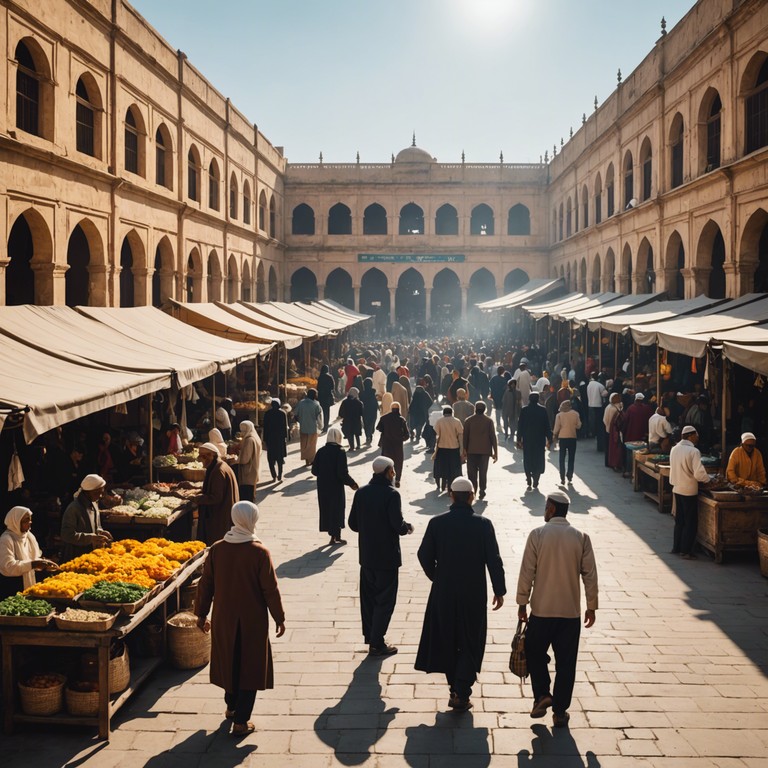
column 81, row 529
column 20, row 554
column 746, row 462
column 220, row 492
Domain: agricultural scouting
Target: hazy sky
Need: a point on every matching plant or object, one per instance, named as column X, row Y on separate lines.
column 483, row 76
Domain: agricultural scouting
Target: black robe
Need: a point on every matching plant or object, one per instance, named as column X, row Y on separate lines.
column 330, row 468
column 534, row 431
column 275, row 433
column 351, row 414
column 457, row 548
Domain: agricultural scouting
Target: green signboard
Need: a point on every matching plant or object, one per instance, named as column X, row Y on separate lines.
column 415, row 258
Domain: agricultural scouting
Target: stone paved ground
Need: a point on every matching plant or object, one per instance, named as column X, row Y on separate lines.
column 673, row 673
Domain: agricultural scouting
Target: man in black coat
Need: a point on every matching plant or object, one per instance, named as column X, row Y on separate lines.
column 533, row 436
column 325, row 387
column 275, row 435
column 376, row 516
column 457, row 548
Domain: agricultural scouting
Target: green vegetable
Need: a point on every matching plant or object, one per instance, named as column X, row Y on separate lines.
column 20, row 606
column 114, row 592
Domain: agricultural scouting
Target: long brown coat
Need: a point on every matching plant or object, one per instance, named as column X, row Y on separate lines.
column 243, row 582
column 220, row 492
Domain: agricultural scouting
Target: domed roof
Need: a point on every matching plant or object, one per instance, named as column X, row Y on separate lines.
column 414, row 154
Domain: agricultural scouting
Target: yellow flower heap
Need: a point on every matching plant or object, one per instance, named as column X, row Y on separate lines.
column 142, row 563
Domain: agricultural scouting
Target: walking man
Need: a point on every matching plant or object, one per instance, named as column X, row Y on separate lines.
column 556, row 556
column 376, row 516
column 533, row 436
column 479, row 445
column 596, row 394
column 685, row 473
column 457, row 549
column 309, row 414
column 567, row 426
column 498, row 385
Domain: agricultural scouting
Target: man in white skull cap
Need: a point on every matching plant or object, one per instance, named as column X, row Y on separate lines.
column 556, row 556
column 81, row 529
column 377, row 517
column 457, row 549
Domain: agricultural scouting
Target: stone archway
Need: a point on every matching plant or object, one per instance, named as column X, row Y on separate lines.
column 261, row 286
column 445, row 309
column 163, row 274
column 674, row 264
column 374, row 297
column 303, row 285
column 515, row 279
column 273, row 288
column 213, row 280
column 410, row 300
column 338, row 288
column 751, row 273
column 482, row 287
column 710, row 262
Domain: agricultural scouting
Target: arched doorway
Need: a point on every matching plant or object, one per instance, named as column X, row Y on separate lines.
column 303, row 285
column 162, row 277
column 127, row 286
column 411, row 220
column 19, row 275
column 133, row 263
column 245, row 285
column 233, row 280
column 374, row 297
column 596, row 275
column 446, row 220
column 675, row 263
column 515, row 279
column 261, row 285
column 481, row 220
column 338, row 288
column 410, row 300
column 213, row 283
column 445, row 310
column 194, row 276
column 77, row 279
column 583, row 275
column 339, row 220
column 609, row 282
column 272, row 284
column 374, row 220
column 753, row 255
column 710, row 258
column 482, row 287
column 646, row 275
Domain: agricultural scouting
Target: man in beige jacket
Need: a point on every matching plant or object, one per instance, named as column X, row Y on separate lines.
column 556, row 556
column 567, row 426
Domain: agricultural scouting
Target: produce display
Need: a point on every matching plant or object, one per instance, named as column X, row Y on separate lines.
column 165, row 461
column 78, row 614
column 63, row 585
column 20, row 606
column 115, row 592
column 44, row 681
column 145, row 502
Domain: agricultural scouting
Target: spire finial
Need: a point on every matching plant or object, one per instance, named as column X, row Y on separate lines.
column 393, row 158
column 463, row 157
column 414, row 139
column 571, row 133
column 583, row 118
column 357, row 157
column 321, row 157
column 595, row 103
column 663, row 26
column 501, row 157
column 618, row 76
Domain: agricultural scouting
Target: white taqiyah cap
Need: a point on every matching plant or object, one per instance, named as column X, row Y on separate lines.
column 462, row 485
column 688, row 430
column 639, row 396
column 559, row 496
column 92, row 482
column 210, row 447
column 748, row 436
column 382, row 464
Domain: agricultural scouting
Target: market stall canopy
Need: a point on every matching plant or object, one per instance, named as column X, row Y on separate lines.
column 57, row 390
column 154, row 327
column 291, row 315
column 358, row 317
column 652, row 313
column 753, row 357
column 229, row 325
column 547, row 308
column 537, row 288
column 624, row 304
column 690, row 335
column 336, row 316
column 595, row 303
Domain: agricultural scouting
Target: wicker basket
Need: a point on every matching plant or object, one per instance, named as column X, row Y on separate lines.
column 42, row 701
column 119, row 672
column 188, row 646
column 82, row 704
column 762, row 550
column 194, row 475
column 68, row 625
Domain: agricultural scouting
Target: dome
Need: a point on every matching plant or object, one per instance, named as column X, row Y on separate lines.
column 414, row 154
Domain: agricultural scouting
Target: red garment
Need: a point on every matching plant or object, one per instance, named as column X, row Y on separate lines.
column 403, row 371
column 351, row 372
column 636, row 419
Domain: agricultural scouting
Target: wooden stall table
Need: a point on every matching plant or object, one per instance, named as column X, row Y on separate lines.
column 176, row 527
column 653, row 480
column 730, row 526
column 50, row 636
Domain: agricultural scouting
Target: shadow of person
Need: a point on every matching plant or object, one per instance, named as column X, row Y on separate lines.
column 310, row 563
column 452, row 734
column 557, row 744
column 219, row 748
column 359, row 719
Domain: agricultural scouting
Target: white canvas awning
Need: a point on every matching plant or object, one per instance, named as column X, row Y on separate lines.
column 651, row 313
column 335, row 316
column 624, row 304
column 538, row 288
column 595, row 303
column 358, row 317
column 547, row 308
column 287, row 316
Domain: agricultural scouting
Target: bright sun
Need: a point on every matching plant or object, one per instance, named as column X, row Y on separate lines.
column 493, row 18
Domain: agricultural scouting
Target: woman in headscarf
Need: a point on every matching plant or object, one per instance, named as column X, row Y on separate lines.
column 276, row 433
column 613, row 421
column 215, row 437
column 81, row 529
column 351, row 414
column 330, row 469
column 429, row 386
column 325, row 387
column 419, row 412
column 386, row 403
column 249, row 460
column 401, row 394
column 239, row 574
column 370, row 409
column 20, row 554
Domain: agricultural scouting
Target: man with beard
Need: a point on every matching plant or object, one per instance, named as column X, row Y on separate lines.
column 457, row 549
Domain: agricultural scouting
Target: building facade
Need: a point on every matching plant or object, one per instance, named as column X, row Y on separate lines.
column 127, row 179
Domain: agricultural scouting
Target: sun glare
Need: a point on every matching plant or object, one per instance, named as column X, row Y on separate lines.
column 493, row 17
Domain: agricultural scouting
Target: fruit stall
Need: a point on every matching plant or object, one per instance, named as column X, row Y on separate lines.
column 70, row 650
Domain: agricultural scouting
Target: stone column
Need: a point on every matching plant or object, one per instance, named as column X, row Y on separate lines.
column 320, row 291
column 392, row 307
column 356, row 305
column 666, row 280
column 3, row 266
column 50, row 287
column 142, row 284
column 696, row 281
column 428, row 306
column 739, row 278
column 97, row 278
column 463, row 303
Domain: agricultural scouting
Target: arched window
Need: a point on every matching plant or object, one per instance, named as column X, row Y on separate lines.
column 375, row 220
column 446, row 220
column 646, row 160
column 34, row 91
column 303, row 220
column 234, row 193
column 519, row 220
column 77, row 277
column 339, row 220
column 86, row 134
column 246, row 202
column 560, row 223
column 598, row 199
column 756, row 107
column 163, row 157
column 713, row 134
column 262, row 211
column 213, row 185
column 676, row 154
column 584, row 207
column 127, row 286
column 132, row 142
column 481, row 221
column 568, row 218
column 610, row 192
column 411, row 220
column 629, row 180
column 272, row 217
column 193, row 174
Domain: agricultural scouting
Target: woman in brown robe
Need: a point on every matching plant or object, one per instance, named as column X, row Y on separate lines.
column 220, row 492
column 239, row 574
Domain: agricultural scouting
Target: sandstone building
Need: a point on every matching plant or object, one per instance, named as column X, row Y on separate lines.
column 126, row 179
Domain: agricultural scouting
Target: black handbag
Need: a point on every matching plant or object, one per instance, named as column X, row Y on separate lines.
column 518, row 663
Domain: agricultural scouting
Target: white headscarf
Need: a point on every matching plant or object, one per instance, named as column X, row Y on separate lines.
column 247, row 427
column 13, row 522
column 15, row 559
column 334, row 436
column 245, row 515
column 215, row 437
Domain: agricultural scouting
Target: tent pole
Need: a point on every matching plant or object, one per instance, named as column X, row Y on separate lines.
column 599, row 349
column 151, row 440
column 634, row 347
column 658, row 376
column 256, row 386
column 615, row 354
column 723, row 410
column 213, row 401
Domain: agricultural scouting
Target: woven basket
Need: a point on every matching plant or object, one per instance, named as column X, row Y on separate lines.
column 42, row 701
column 119, row 672
column 188, row 646
column 762, row 550
column 82, row 704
